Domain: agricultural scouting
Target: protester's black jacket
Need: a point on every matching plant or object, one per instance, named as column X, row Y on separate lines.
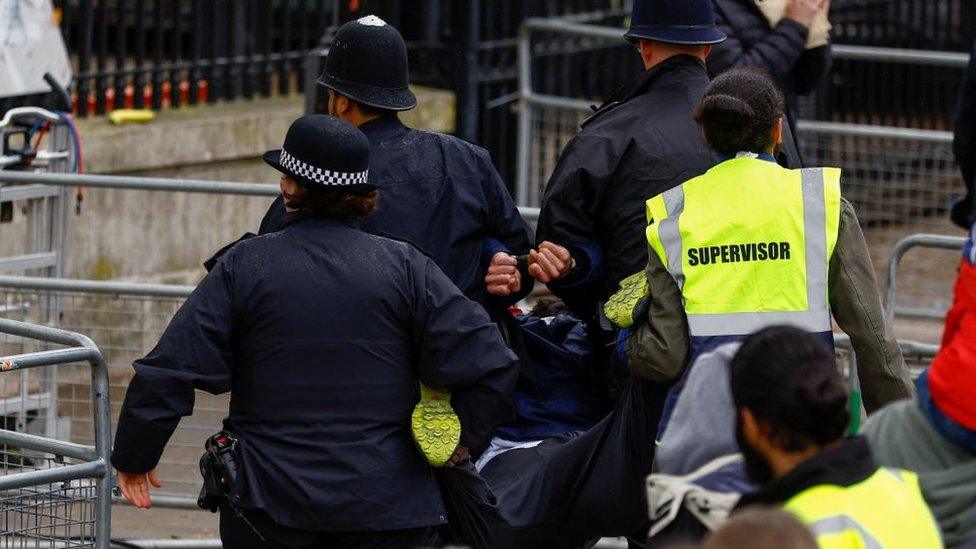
column 780, row 50
column 321, row 333
column 444, row 195
column 964, row 144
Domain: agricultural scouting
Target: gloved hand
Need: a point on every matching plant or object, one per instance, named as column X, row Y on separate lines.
column 629, row 304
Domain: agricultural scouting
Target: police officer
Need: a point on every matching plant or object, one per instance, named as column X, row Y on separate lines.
column 321, row 333
column 641, row 142
column 439, row 192
column 750, row 244
column 791, row 418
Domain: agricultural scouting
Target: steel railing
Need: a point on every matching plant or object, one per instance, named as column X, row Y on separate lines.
column 163, row 184
column 23, row 507
column 934, row 241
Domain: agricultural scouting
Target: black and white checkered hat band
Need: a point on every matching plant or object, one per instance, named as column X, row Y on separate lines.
column 318, row 175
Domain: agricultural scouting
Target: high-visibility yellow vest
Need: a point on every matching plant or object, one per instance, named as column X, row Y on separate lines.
column 749, row 243
column 886, row 511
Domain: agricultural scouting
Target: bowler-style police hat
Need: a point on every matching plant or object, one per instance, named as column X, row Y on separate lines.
column 323, row 152
column 367, row 63
column 690, row 22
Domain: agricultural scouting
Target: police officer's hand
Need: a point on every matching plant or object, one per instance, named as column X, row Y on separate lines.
column 135, row 487
column 503, row 278
column 459, row 455
column 805, row 11
column 550, row 262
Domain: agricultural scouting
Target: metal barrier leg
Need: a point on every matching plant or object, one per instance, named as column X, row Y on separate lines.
column 96, row 460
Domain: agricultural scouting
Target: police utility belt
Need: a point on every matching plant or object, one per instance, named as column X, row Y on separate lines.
column 223, row 479
column 222, row 472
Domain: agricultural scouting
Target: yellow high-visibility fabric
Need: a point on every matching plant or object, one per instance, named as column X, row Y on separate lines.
column 742, row 233
column 884, row 511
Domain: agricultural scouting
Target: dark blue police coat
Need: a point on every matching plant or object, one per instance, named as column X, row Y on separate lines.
column 321, row 333
column 444, row 195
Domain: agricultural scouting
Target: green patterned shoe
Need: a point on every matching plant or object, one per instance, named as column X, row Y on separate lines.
column 435, row 426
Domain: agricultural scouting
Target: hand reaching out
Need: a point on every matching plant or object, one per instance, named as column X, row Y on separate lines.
column 135, row 487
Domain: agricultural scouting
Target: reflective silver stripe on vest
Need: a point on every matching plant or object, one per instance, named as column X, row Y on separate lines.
column 838, row 524
column 670, row 233
column 706, row 325
column 815, row 236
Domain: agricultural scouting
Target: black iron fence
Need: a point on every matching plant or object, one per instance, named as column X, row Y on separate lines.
column 156, row 54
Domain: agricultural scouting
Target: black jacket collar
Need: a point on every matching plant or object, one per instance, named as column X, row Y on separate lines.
column 384, row 127
column 845, row 465
column 640, row 85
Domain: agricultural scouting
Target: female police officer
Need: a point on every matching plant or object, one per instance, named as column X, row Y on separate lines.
column 749, row 244
column 321, row 333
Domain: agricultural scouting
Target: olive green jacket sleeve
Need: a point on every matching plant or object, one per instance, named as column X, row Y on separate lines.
column 658, row 347
column 856, row 305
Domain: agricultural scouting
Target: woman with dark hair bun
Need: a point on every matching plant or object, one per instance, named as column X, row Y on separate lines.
column 750, row 244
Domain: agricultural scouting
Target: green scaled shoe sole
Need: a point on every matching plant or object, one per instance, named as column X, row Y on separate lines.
column 435, row 426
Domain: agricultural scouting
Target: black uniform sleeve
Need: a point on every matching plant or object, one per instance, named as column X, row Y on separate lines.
column 777, row 53
column 964, row 144
column 568, row 217
column 506, row 230
column 461, row 350
column 193, row 353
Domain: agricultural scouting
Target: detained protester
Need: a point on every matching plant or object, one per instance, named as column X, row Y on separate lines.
column 439, row 192
column 791, row 417
column 787, row 248
column 321, row 333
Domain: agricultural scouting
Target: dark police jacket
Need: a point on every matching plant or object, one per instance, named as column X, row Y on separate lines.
column 444, row 195
column 321, row 333
column 640, row 143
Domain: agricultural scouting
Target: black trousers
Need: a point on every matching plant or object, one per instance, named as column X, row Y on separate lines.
column 237, row 534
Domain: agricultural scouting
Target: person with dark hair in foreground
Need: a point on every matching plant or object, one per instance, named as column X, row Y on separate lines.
column 322, row 334
column 791, row 418
column 750, row 244
column 762, row 528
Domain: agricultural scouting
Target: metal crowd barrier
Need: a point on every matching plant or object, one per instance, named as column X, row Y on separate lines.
column 932, row 241
column 47, row 493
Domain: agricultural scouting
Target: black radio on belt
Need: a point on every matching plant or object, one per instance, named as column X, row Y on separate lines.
column 220, row 466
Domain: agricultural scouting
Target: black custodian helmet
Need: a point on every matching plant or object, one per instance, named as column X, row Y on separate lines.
column 367, row 63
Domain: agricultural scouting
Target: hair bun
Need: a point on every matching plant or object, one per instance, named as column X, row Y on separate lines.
column 727, row 109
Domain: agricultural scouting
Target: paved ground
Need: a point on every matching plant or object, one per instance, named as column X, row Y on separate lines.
column 132, row 523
